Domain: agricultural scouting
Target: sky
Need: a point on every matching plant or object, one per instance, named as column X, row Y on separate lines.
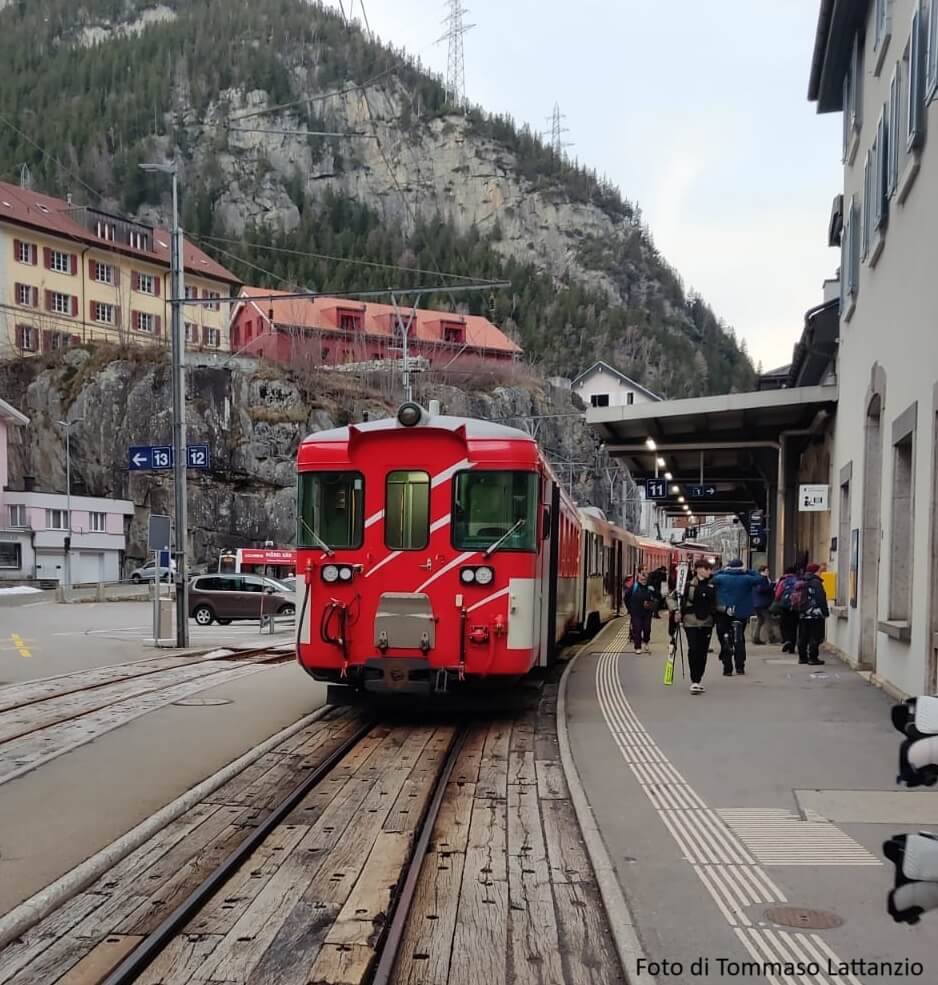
column 697, row 111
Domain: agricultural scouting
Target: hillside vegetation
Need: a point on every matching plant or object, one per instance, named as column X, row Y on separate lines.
column 102, row 85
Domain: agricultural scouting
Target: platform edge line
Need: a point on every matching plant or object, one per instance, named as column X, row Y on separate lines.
column 614, row 900
column 27, row 914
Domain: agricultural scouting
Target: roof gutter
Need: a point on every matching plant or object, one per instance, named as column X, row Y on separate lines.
column 820, row 48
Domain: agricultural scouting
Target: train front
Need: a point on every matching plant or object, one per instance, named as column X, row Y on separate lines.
column 420, row 557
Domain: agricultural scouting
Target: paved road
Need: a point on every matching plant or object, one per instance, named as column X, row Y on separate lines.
column 41, row 638
column 771, row 789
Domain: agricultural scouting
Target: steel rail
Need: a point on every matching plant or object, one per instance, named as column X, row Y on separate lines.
column 402, row 905
column 148, row 949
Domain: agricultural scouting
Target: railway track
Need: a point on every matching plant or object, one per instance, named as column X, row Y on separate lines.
column 42, row 720
column 384, row 946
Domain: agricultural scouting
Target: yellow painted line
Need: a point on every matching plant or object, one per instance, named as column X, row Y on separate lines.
column 20, row 645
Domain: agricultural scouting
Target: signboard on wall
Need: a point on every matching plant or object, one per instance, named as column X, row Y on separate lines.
column 813, row 499
column 854, row 566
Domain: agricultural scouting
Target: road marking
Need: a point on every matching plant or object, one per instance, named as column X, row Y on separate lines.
column 715, row 846
column 20, row 645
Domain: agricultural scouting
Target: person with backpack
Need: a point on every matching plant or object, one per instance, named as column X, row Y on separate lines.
column 762, row 597
column 734, row 607
column 641, row 604
column 696, row 611
column 787, row 619
column 809, row 601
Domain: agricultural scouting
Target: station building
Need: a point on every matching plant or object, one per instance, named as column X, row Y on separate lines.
column 837, row 452
column 72, row 274
column 34, row 526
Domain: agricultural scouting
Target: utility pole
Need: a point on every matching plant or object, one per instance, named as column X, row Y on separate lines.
column 68, row 425
column 179, row 410
column 455, row 61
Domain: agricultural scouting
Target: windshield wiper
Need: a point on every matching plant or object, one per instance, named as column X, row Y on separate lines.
column 501, row 540
column 329, row 551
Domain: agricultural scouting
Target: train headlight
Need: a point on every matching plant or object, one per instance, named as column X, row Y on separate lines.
column 330, row 573
column 467, row 576
column 484, row 576
column 345, row 573
column 410, row 414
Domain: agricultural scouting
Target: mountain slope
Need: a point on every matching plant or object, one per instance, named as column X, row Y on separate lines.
column 105, row 84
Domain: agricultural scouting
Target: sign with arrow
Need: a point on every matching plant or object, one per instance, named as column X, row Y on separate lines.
column 157, row 458
column 705, row 490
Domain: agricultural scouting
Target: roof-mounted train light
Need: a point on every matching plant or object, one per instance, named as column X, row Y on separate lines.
column 410, row 414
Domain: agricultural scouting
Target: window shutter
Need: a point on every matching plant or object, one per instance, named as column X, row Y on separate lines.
column 846, row 114
column 205, row 335
column 916, row 129
column 90, row 268
column 74, row 305
column 156, row 286
column 35, row 297
column 16, row 249
column 74, row 340
column 117, row 317
column 20, row 337
column 47, row 257
column 893, row 140
column 73, row 263
column 116, row 276
column 157, row 325
column 135, row 280
column 46, row 341
column 91, row 305
column 48, row 300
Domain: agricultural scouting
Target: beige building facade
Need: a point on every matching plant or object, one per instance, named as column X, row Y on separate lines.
column 877, row 64
column 73, row 274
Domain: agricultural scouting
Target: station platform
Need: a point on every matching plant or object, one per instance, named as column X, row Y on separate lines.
column 745, row 825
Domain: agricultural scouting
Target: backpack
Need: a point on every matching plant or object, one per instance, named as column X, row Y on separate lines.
column 786, row 590
column 803, row 596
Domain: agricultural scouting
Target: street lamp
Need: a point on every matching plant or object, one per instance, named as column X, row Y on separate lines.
column 179, row 406
column 68, row 425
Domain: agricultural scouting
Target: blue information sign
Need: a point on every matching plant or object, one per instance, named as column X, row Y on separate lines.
column 656, row 488
column 704, row 490
column 155, row 458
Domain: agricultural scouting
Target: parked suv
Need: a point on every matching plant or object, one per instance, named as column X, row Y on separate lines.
column 222, row 598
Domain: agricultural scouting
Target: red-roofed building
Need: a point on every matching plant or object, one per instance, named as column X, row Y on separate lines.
column 73, row 273
column 334, row 331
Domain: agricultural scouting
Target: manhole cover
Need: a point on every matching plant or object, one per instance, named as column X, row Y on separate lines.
column 203, row 702
column 804, row 917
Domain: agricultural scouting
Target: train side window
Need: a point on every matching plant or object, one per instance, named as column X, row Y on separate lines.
column 331, row 509
column 407, row 511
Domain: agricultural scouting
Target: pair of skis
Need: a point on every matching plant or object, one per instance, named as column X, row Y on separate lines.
column 675, row 644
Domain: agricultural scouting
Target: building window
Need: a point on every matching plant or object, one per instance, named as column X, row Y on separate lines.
column 144, row 322
column 56, row 519
column 350, row 321
column 853, row 98
column 407, row 511
column 192, row 333
column 97, row 522
column 191, row 292
column 600, row 399
column 103, row 272
column 850, row 254
column 630, row 399
column 931, row 52
column 843, row 545
column 145, row 283
column 105, row 230
column 215, row 297
column 868, row 171
column 138, row 240
column 880, row 166
column 902, row 546
column 882, row 30
column 27, row 296
column 61, row 304
column 213, row 337
column 27, row 338
column 103, row 313
column 26, row 252
column 56, row 341
column 60, row 262
column 18, row 515
column 455, row 334
column 892, row 139
column 915, row 83
column 10, row 556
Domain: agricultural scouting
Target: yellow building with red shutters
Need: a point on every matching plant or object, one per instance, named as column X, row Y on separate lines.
column 71, row 274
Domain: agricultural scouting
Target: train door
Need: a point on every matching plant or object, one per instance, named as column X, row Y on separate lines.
column 618, row 577
column 549, row 600
column 540, row 643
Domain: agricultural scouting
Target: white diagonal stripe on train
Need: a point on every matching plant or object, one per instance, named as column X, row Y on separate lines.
column 439, row 524
column 446, row 567
column 488, row 598
column 449, row 472
column 382, row 563
column 374, row 518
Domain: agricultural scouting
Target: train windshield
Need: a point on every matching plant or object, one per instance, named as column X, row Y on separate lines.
column 331, row 509
column 487, row 505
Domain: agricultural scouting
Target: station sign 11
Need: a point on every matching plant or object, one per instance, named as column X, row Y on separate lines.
column 156, row 458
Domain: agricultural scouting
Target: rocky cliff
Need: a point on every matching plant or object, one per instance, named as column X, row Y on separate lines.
column 253, row 416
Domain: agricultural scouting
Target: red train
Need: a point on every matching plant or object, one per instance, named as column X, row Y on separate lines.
column 436, row 550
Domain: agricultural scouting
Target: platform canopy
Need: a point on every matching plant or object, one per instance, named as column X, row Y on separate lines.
column 729, row 444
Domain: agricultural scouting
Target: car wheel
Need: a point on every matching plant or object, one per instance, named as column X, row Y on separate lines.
column 223, row 622
column 135, row 578
column 286, row 610
column 203, row 615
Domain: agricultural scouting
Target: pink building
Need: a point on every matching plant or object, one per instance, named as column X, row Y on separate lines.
column 34, row 526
